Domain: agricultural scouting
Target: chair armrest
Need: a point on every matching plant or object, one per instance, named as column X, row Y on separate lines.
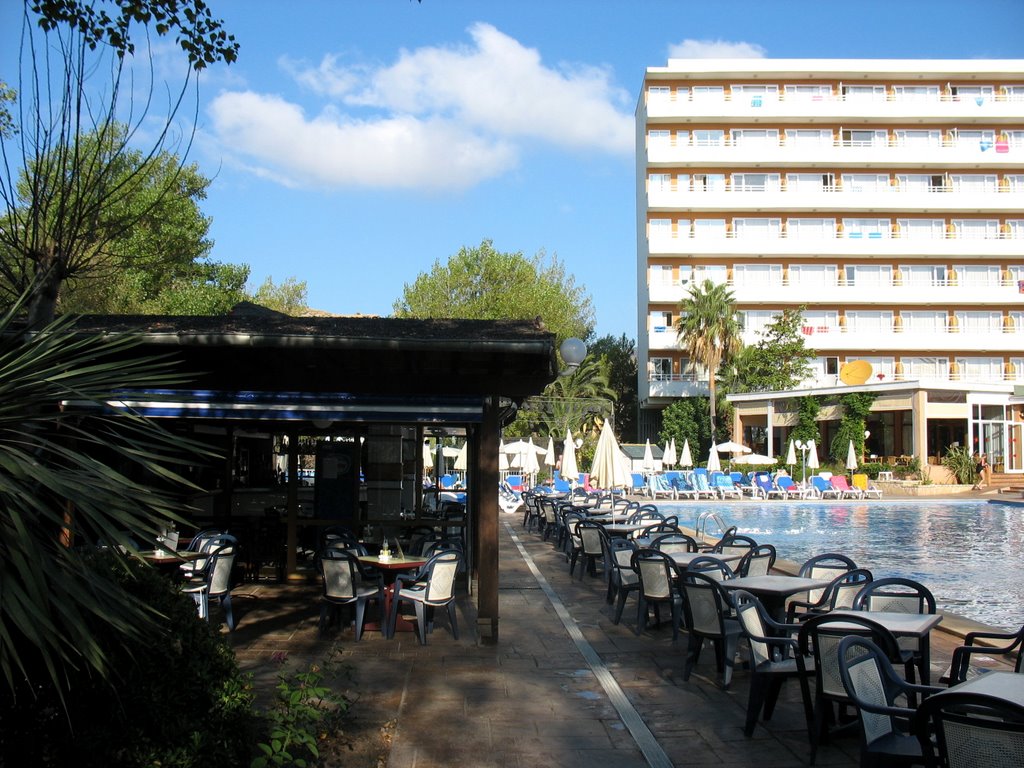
column 1013, row 637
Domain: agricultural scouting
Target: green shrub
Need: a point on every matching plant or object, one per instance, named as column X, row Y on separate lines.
column 960, row 461
column 177, row 699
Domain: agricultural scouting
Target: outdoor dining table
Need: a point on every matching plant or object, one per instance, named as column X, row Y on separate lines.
column 773, row 589
column 390, row 569
column 915, row 625
column 167, row 562
column 683, row 559
column 1008, row 686
column 624, row 529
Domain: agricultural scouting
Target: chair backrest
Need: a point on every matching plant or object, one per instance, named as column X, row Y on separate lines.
column 758, row 561
column 201, row 538
column 839, row 483
column 700, row 481
column 703, row 604
column 638, row 480
column 671, row 543
column 711, row 567
column 785, row 482
column 339, row 569
column 860, row 480
column 656, row 571
column 820, row 484
column 844, row 588
column 821, row 635
column 620, row 552
column 871, row 683
column 751, row 615
column 826, row 566
column 220, row 566
column 590, row 536
column 764, row 482
column 895, row 595
column 439, row 575
column 734, row 544
column 971, row 730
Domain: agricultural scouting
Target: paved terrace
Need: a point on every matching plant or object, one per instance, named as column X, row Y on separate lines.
column 548, row 693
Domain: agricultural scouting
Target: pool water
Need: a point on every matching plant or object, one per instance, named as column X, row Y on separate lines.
column 969, row 554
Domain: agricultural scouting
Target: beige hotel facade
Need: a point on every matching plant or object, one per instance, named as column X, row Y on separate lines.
column 886, row 197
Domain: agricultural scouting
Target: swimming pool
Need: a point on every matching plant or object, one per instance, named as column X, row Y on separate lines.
column 969, row 554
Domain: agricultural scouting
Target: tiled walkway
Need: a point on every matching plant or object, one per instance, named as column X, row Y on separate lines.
column 533, row 699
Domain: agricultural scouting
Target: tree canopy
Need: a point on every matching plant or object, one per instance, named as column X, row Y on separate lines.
column 779, row 360
column 619, row 355
column 483, row 283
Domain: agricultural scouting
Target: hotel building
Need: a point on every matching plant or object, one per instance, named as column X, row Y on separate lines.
column 886, row 197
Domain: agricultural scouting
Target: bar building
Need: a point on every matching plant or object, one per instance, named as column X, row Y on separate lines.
column 884, row 196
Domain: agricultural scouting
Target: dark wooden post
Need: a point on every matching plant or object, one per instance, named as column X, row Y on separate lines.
column 486, row 493
column 292, row 543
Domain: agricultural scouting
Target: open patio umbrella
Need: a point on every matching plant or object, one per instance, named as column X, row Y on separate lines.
column 731, row 447
column 851, row 458
column 668, row 458
column 608, row 469
column 648, row 464
column 791, row 454
column 502, row 457
column 550, row 458
column 570, row 470
column 428, row 456
column 714, row 464
column 460, row 460
column 757, row 458
column 686, row 460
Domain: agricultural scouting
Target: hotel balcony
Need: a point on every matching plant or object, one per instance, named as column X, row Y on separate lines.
column 891, row 338
column 832, row 200
column 835, row 154
column 770, row 292
column 769, row 108
column 1002, row 245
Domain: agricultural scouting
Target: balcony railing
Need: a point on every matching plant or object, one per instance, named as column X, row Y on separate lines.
column 758, row 100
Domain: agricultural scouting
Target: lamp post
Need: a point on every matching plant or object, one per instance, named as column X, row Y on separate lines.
column 803, row 446
column 864, row 450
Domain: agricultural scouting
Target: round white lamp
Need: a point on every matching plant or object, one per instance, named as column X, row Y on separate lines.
column 573, row 351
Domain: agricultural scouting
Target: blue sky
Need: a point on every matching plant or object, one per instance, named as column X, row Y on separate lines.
column 355, row 143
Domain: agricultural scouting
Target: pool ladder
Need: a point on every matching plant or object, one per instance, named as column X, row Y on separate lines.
column 701, row 527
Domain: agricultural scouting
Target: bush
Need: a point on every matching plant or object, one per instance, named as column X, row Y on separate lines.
column 177, row 698
column 960, row 461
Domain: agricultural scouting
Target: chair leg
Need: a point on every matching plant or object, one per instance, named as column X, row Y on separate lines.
column 453, row 620
column 225, row 603
column 360, row 610
column 692, row 654
column 641, row 614
column 393, row 618
column 421, row 621
column 754, row 703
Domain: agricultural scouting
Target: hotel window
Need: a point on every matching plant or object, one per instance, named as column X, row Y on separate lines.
column 755, row 182
column 869, row 275
column 757, row 274
column 761, row 229
column 755, row 95
column 823, row 369
column 659, row 275
column 920, row 182
column 971, row 92
column 707, row 93
column 659, row 138
column 660, row 322
column 979, row 322
column 659, row 182
column 1013, row 92
column 869, row 321
column 922, row 229
column 718, row 274
column 659, row 229
column 811, row 229
column 867, row 228
column 1014, row 183
column 1018, row 368
column 922, row 275
column 974, row 182
column 813, row 276
column 755, row 136
column 865, row 182
column 661, row 368
column 882, row 368
column 972, row 138
column 906, row 137
column 976, row 229
column 1015, row 229
column 708, row 138
column 915, row 92
column 819, row 321
column 807, row 92
column 1014, row 138
column 1016, row 273
column 810, row 182
column 863, row 92
column 808, row 137
column 1016, row 322
column 709, row 182
column 977, row 275
column 924, row 321
column 709, row 228
column 981, row 369
column 925, row 368
column 659, row 93
column 864, row 137
column 753, row 321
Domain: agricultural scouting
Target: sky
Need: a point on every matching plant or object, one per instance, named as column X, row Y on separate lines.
column 357, row 142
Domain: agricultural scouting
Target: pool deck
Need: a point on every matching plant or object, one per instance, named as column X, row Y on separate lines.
column 563, row 685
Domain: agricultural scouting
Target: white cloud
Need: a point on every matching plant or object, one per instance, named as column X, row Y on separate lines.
column 438, row 117
column 275, row 139
column 715, row 49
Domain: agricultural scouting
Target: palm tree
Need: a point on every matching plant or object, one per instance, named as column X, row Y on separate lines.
column 709, row 332
column 582, row 399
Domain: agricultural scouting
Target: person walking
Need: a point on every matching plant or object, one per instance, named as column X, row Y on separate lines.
column 984, row 471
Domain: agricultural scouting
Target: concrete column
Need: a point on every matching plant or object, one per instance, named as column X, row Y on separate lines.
column 919, row 425
column 769, row 421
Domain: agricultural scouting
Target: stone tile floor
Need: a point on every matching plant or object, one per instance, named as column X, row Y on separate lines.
column 531, row 699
